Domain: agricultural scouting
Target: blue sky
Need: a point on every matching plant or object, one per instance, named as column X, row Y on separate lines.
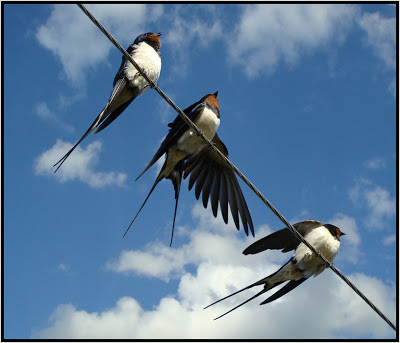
column 307, row 99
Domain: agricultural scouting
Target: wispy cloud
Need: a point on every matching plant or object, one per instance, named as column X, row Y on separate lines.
column 268, row 35
column 376, row 163
column 380, row 204
column 191, row 26
column 63, row 267
column 212, row 239
column 79, row 166
column 381, row 37
column 389, row 240
column 221, row 269
column 158, row 261
column 43, row 111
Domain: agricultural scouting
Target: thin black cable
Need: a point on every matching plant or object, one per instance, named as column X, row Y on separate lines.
column 233, row 167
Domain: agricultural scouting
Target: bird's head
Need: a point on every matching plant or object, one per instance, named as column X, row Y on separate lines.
column 150, row 38
column 334, row 230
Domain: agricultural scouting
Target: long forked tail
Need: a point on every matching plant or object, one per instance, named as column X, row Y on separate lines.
column 159, row 178
column 176, row 178
column 267, row 287
column 173, row 223
column 228, row 296
column 285, row 289
column 155, row 158
column 112, row 116
column 91, row 128
column 244, row 302
column 259, row 282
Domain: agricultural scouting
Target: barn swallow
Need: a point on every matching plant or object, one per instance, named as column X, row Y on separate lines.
column 303, row 264
column 182, row 143
column 128, row 83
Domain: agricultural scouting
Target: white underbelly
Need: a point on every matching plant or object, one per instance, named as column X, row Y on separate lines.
column 148, row 59
column 322, row 241
column 190, row 142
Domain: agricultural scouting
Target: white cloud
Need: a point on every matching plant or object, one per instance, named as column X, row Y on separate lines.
column 389, row 240
column 376, row 163
column 63, row 267
column 43, row 111
column 79, row 165
column 158, row 261
column 335, row 310
column 381, row 203
column 195, row 23
column 270, row 34
column 191, row 26
column 377, row 200
column 210, row 241
column 79, row 44
column 381, row 36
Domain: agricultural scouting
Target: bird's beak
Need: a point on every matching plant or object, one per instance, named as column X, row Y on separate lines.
column 158, row 34
column 216, row 93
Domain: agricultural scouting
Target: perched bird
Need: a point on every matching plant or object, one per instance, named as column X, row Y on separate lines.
column 183, row 143
column 304, row 263
column 128, row 83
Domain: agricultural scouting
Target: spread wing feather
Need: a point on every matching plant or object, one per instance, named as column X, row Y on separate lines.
column 207, row 187
column 217, row 182
column 223, row 200
column 215, row 192
column 232, row 201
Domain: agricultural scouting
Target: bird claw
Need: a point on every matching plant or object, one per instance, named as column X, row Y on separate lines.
column 212, row 144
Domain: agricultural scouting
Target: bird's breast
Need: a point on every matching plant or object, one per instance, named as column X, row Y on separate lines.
column 323, row 241
column 208, row 122
column 148, row 59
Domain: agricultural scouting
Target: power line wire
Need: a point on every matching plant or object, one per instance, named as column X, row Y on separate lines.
column 233, row 167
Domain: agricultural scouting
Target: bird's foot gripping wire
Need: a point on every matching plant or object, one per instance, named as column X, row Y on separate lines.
column 200, row 132
column 212, row 144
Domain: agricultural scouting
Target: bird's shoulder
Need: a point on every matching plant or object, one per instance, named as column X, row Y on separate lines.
column 192, row 112
column 121, row 74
